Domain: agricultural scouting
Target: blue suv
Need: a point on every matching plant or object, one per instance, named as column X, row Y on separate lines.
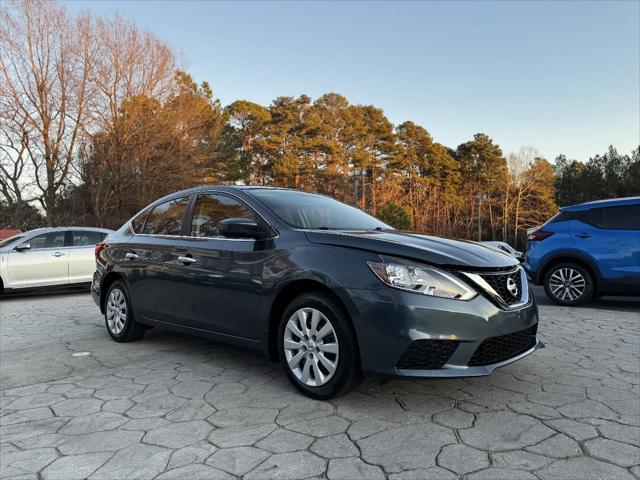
column 587, row 250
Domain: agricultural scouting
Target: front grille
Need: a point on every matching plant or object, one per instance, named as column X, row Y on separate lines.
column 504, row 347
column 500, row 283
column 427, row 354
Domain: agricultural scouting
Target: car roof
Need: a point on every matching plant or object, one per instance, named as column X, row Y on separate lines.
column 219, row 188
column 610, row 202
column 58, row 229
column 231, row 188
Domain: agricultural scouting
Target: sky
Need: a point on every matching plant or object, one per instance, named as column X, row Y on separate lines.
column 563, row 77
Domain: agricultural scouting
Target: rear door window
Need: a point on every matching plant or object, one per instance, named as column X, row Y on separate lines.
column 210, row 210
column 166, row 218
column 86, row 238
column 624, row 217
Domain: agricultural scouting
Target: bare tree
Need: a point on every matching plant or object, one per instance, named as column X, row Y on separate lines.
column 44, row 73
column 13, row 165
column 13, row 172
column 528, row 179
column 129, row 64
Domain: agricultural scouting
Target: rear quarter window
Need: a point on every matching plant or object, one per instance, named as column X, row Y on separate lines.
column 167, row 218
column 564, row 217
column 623, row 217
column 137, row 224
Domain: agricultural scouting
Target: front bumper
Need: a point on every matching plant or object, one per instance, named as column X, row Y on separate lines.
column 389, row 321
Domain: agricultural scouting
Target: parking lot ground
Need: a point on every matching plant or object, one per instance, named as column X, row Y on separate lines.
column 175, row 407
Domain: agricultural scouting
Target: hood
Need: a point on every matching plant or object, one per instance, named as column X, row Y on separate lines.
column 424, row 248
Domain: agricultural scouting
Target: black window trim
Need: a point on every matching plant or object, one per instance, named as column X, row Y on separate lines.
column 189, row 217
column 586, row 212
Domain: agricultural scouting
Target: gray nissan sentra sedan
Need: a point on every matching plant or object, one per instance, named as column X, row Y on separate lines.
column 329, row 291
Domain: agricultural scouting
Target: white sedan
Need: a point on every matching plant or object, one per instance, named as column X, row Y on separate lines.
column 505, row 248
column 49, row 256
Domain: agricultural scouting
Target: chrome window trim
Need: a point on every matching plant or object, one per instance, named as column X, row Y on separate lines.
column 38, row 249
column 482, row 283
column 191, row 237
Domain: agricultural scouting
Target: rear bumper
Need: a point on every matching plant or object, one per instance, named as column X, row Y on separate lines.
column 95, row 289
column 389, row 321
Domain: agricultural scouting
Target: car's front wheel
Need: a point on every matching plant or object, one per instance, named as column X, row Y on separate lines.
column 569, row 284
column 317, row 346
column 118, row 315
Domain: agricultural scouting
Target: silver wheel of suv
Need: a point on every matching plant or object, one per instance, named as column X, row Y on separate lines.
column 567, row 284
column 116, row 311
column 311, row 347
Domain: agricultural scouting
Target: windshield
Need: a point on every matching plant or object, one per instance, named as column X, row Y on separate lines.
column 310, row 211
column 7, row 241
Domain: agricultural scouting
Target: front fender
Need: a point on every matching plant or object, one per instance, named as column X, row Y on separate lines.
column 336, row 268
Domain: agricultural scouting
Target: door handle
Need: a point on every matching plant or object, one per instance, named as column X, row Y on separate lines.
column 187, row 260
column 58, row 254
column 582, row 235
column 131, row 256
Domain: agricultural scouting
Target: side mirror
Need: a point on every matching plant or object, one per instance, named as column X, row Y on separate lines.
column 24, row 247
column 240, row 228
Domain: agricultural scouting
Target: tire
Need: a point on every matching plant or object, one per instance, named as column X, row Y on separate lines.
column 581, row 286
column 317, row 381
column 117, row 300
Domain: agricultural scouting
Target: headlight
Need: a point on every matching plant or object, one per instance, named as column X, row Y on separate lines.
column 424, row 280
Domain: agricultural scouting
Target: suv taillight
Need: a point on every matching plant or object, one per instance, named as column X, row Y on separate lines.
column 539, row 235
column 99, row 247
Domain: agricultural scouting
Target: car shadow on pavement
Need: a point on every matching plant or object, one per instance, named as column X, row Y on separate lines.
column 620, row 304
column 40, row 293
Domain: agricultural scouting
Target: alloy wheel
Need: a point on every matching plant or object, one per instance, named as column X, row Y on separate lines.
column 311, row 347
column 567, row 284
column 116, row 311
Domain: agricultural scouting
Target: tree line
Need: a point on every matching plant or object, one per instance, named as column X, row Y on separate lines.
column 96, row 121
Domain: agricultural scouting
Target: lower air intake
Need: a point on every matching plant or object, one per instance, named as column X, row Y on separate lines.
column 504, row 347
column 427, row 354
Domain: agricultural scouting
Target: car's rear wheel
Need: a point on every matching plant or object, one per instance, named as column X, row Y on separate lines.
column 118, row 315
column 568, row 284
column 318, row 347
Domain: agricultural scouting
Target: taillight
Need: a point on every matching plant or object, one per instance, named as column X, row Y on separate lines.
column 99, row 247
column 539, row 235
